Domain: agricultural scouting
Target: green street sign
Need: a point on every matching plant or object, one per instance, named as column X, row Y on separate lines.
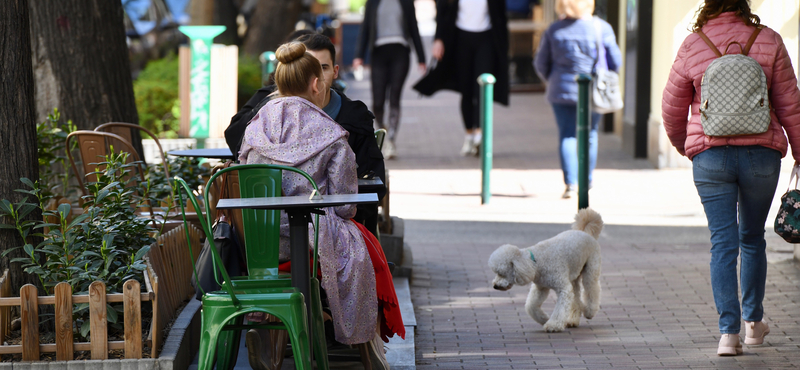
column 200, row 39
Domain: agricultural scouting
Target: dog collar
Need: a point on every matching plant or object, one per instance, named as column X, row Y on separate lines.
column 532, row 257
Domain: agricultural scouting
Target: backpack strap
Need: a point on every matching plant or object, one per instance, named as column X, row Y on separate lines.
column 745, row 49
column 752, row 40
column 709, row 43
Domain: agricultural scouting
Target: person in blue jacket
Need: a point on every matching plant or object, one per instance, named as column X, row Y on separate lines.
column 568, row 48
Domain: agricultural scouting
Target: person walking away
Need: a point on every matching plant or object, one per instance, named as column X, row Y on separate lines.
column 389, row 27
column 352, row 115
column 735, row 176
column 293, row 130
column 569, row 48
column 471, row 39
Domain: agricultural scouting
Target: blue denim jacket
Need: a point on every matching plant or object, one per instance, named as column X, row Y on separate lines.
column 568, row 48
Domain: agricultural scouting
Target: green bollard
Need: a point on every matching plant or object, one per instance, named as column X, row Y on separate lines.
column 200, row 39
column 268, row 64
column 584, row 117
column 486, row 81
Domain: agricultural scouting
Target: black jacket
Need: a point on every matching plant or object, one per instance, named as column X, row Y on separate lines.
column 442, row 76
column 353, row 117
column 366, row 34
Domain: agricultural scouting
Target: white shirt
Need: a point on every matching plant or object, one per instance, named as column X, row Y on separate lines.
column 473, row 15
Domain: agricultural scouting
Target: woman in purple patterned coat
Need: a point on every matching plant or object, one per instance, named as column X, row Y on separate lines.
column 293, row 130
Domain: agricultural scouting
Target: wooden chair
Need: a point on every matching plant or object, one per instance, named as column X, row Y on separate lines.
column 123, row 129
column 93, row 146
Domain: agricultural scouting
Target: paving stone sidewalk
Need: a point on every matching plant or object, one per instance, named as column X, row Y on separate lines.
column 657, row 309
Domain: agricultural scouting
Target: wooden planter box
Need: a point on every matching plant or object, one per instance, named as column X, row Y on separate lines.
column 168, row 271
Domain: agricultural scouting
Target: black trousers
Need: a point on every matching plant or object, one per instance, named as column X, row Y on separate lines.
column 475, row 55
column 390, row 64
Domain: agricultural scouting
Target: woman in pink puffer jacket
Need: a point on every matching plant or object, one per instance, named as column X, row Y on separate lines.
column 736, row 176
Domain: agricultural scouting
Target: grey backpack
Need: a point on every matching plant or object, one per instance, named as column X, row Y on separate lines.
column 734, row 98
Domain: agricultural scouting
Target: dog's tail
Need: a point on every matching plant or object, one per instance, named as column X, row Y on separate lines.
column 588, row 221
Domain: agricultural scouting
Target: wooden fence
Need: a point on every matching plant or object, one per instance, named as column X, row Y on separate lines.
column 168, row 271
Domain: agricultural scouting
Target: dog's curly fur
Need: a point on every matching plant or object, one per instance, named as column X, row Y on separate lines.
column 562, row 263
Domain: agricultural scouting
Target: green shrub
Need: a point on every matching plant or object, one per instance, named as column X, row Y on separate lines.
column 249, row 78
column 156, row 91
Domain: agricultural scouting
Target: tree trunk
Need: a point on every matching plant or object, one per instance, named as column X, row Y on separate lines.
column 271, row 22
column 81, row 63
column 17, row 125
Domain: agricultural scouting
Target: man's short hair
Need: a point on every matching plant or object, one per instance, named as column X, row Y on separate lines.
column 295, row 35
column 319, row 42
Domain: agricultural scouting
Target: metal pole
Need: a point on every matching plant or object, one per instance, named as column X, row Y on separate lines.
column 486, row 81
column 584, row 117
column 268, row 64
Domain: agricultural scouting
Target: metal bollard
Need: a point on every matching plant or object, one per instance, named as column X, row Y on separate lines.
column 584, row 117
column 486, row 81
column 268, row 64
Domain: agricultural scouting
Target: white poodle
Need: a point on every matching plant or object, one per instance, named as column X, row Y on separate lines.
column 560, row 263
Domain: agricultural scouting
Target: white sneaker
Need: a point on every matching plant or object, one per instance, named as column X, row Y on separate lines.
column 467, row 148
column 388, row 149
column 570, row 192
column 477, row 139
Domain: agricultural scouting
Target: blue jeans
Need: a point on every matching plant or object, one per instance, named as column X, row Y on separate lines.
column 727, row 178
column 567, row 120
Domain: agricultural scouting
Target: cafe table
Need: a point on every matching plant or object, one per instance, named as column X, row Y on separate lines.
column 218, row 153
column 299, row 209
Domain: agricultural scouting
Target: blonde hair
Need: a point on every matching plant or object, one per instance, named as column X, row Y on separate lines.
column 295, row 69
column 574, row 8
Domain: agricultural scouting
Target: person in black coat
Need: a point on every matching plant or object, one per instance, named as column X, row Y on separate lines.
column 471, row 39
column 388, row 30
column 352, row 115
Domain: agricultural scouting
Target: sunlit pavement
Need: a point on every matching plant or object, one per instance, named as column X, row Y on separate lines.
column 657, row 310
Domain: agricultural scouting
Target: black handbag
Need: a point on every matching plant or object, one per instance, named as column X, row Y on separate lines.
column 229, row 249
column 787, row 222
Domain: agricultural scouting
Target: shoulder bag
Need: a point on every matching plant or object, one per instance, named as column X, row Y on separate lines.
column 606, row 96
column 787, row 223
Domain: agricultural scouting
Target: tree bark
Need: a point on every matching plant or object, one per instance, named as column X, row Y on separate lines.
column 18, row 156
column 81, row 64
column 271, row 22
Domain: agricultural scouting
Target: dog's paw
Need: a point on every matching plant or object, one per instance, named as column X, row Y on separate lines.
column 573, row 324
column 552, row 327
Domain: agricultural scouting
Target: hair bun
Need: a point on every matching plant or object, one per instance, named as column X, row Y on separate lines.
column 290, row 52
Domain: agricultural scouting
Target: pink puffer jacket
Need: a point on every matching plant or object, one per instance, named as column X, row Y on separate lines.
column 683, row 88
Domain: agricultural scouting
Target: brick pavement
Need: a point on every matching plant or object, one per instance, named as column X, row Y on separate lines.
column 656, row 310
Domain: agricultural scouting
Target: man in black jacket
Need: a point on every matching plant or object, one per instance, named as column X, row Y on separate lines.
column 352, row 115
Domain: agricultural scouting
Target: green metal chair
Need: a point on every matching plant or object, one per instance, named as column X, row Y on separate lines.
column 221, row 308
column 261, row 239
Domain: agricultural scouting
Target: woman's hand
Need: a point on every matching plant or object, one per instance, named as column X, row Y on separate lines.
column 358, row 62
column 438, row 49
column 422, row 68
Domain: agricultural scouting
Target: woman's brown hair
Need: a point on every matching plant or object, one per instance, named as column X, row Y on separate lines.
column 295, row 69
column 713, row 8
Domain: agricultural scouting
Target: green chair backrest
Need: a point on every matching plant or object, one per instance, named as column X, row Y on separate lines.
column 261, row 227
column 380, row 134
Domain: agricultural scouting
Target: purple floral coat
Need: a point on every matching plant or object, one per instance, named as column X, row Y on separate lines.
column 294, row 132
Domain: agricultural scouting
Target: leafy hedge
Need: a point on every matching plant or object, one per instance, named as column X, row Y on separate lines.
column 156, row 90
